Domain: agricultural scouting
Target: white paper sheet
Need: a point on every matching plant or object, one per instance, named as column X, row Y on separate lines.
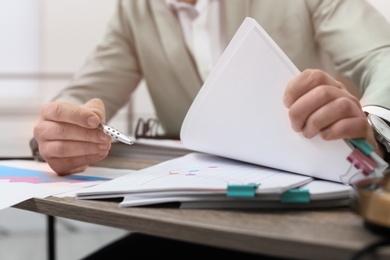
column 24, row 179
column 196, row 172
column 239, row 113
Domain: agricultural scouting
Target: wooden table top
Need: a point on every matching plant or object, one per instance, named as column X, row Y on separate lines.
column 301, row 234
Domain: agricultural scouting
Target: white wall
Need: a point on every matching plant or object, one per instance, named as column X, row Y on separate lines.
column 51, row 40
column 19, row 25
column 70, row 31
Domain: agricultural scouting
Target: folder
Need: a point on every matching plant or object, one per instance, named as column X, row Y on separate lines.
column 239, row 114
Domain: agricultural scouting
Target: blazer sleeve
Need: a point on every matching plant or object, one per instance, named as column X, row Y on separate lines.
column 112, row 70
column 357, row 39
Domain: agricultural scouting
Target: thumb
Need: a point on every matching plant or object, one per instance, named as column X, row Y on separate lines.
column 96, row 105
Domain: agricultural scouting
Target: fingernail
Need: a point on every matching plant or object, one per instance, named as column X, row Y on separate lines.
column 325, row 133
column 93, row 121
column 103, row 146
column 306, row 133
column 105, row 137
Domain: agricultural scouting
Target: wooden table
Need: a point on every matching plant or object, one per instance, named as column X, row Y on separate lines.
column 299, row 234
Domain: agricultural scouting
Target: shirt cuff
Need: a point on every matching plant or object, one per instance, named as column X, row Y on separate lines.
column 35, row 150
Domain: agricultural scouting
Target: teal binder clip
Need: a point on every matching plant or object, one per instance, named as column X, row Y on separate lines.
column 296, row 195
column 242, row 191
column 362, row 145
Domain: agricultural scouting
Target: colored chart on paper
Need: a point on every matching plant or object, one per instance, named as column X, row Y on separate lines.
column 31, row 176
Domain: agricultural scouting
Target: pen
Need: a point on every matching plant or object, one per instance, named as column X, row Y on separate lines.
column 118, row 135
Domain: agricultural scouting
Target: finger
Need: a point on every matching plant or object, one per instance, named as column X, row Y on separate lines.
column 347, row 128
column 69, row 165
column 305, row 82
column 54, row 149
column 70, row 113
column 49, row 130
column 329, row 114
column 314, row 100
column 96, row 105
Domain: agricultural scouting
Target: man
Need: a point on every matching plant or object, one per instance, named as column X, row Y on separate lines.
column 173, row 45
column 155, row 40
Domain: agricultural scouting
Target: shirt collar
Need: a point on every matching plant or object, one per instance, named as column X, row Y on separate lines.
column 176, row 5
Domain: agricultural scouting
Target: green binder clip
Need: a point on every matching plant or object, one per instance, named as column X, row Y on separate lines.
column 362, row 145
column 242, row 191
column 296, row 195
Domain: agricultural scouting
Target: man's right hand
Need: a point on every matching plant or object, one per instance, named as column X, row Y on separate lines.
column 68, row 136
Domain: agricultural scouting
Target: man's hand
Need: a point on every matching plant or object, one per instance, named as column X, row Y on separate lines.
column 68, row 137
column 319, row 104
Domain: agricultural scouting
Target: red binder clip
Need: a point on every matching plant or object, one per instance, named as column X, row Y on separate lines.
column 361, row 162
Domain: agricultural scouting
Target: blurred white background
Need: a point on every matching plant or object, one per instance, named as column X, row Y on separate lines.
column 43, row 43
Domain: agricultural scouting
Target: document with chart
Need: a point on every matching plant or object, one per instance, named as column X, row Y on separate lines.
column 209, row 181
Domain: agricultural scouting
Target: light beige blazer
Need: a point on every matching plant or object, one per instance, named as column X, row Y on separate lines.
column 144, row 40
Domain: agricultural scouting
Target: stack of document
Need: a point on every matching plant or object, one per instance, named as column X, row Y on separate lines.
column 245, row 151
column 199, row 180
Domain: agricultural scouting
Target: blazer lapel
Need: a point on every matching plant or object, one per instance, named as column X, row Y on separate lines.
column 235, row 12
column 175, row 48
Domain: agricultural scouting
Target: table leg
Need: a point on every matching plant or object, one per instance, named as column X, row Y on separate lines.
column 51, row 236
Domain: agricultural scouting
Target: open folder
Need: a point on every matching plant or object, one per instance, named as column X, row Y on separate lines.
column 246, row 153
column 239, row 114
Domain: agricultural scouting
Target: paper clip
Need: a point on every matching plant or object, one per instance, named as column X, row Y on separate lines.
column 359, row 161
column 242, row 191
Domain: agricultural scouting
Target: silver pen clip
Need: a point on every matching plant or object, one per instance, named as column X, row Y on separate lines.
column 118, row 135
